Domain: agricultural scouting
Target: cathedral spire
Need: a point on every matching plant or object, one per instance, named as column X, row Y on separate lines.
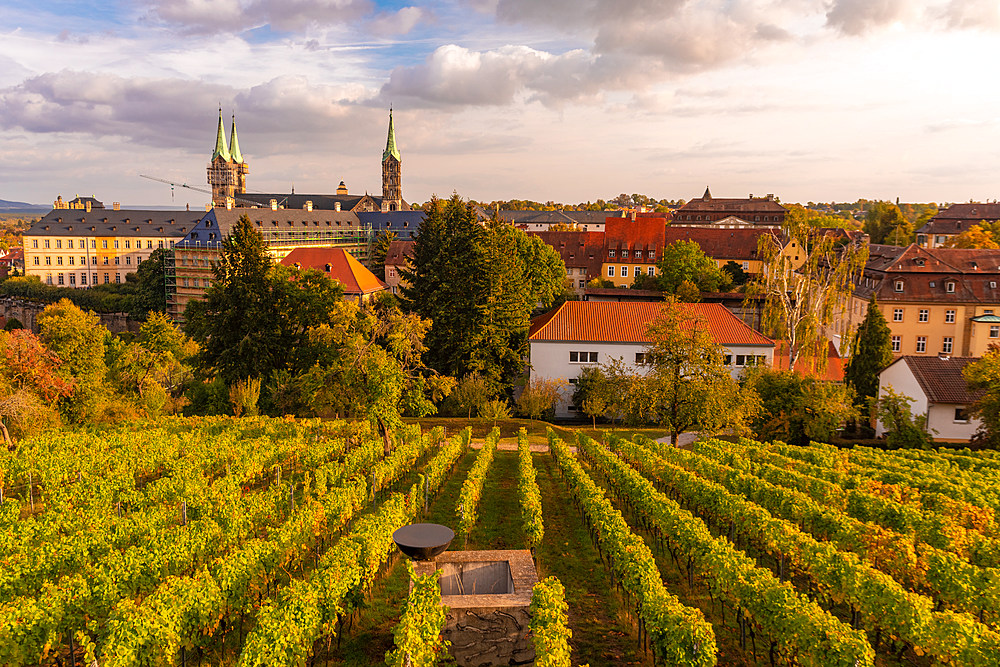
column 390, row 142
column 220, row 142
column 234, row 145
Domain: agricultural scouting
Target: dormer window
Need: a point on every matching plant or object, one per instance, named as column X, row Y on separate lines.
column 899, row 285
column 919, row 261
column 611, row 253
column 949, row 287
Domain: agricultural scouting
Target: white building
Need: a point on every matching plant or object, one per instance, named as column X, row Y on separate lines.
column 939, row 393
column 579, row 334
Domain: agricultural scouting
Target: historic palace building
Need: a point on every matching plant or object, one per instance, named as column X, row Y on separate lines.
column 709, row 211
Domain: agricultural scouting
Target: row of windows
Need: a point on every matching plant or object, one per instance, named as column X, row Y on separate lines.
column 924, row 315
column 947, row 343
column 72, row 277
column 624, row 271
column 747, row 360
column 949, row 285
column 638, row 254
column 83, row 260
column 583, row 357
column 194, row 282
column 756, row 218
column 569, row 271
column 82, row 243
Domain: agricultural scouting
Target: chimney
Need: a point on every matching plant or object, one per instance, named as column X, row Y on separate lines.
column 329, row 268
column 309, row 205
column 229, row 203
column 88, row 206
column 274, row 204
column 187, row 207
column 336, row 206
column 116, row 206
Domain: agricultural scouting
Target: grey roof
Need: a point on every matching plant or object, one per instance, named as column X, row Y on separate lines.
column 555, row 217
column 126, row 222
column 404, row 224
column 319, row 201
column 219, row 222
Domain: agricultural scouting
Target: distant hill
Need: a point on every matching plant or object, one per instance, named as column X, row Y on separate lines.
column 21, row 206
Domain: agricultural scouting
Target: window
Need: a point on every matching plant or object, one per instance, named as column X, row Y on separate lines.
column 611, row 253
column 897, row 315
column 921, row 343
column 987, row 311
column 961, row 416
column 116, row 244
column 47, row 243
column 106, row 260
column 34, row 243
column 924, row 315
column 93, row 243
column 69, row 244
column 611, row 272
column 107, row 278
column 993, row 284
column 640, row 358
column 83, row 278
column 583, row 357
column 128, row 243
column 583, row 283
column 37, row 261
column 59, row 260
column 649, row 270
column 72, row 279
column 624, row 273
column 58, row 243
column 569, row 271
column 994, row 331
column 71, row 259
column 104, row 244
column 652, row 254
column 95, row 278
column 637, row 271
column 184, row 282
column 392, row 272
column 118, row 277
column 118, row 260
column 741, row 360
column 946, row 345
column 949, row 317
column 48, row 279
column 746, row 266
column 149, row 244
column 60, row 279
column 939, row 240
column 48, row 261
column 949, row 287
column 93, row 260
column 128, row 259
column 897, row 343
column 899, row 285
column 138, row 261
column 728, row 359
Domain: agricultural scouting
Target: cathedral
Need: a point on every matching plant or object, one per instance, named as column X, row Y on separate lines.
column 227, row 175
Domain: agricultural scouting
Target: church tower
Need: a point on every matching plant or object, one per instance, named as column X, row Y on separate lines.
column 392, row 182
column 227, row 172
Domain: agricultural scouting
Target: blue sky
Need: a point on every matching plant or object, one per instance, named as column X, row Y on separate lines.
column 565, row 100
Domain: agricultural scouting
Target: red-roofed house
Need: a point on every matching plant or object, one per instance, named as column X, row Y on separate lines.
column 359, row 283
column 396, row 257
column 579, row 334
column 939, row 393
column 581, row 252
column 632, row 246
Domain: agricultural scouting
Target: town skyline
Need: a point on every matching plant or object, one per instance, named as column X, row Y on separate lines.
column 809, row 100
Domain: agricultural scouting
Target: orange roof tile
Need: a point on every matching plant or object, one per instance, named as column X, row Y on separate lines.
column 339, row 265
column 628, row 322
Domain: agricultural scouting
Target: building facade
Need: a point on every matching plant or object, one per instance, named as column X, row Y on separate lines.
column 632, row 247
column 81, row 248
column 954, row 220
column 708, row 210
column 935, row 300
column 582, row 334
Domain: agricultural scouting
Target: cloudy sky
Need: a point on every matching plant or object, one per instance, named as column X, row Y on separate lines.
column 565, row 100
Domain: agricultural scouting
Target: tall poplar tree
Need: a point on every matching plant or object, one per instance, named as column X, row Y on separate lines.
column 871, row 351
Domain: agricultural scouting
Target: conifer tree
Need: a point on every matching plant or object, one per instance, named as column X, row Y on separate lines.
column 871, row 351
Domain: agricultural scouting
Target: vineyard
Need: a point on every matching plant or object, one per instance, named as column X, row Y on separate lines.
column 256, row 541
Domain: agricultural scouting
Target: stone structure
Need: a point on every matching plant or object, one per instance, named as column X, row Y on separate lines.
column 487, row 594
column 227, row 172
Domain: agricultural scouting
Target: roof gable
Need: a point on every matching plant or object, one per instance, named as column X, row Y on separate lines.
column 339, row 265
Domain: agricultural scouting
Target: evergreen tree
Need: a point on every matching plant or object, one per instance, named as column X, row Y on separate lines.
column 380, row 249
column 871, row 351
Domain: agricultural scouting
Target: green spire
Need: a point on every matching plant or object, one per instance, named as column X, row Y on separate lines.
column 234, row 145
column 220, row 142
column 390, row 143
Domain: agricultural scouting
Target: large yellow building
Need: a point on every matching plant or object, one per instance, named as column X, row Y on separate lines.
column 90, row 246
column 937, row 301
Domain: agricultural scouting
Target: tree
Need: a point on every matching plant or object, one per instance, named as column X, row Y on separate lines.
column 256, row 315
column 983, row 377
column 871, row 351
column 472, row 392
column 540, row 396
column 983, row 235
column 79, row 340
column 798, row 409
column 684, row 260
column 155, row 368
column 380, row 249
column 902, row 429
column 736, row 273
column 800, row 305
column 30, row 384
column 478, row 285
column 150, row 286
column 688, row 386
column 885, row 223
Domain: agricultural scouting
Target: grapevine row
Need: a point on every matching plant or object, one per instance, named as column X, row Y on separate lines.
column 548, row 624
column 472, row 489
column 528, row 494
column 418, row 634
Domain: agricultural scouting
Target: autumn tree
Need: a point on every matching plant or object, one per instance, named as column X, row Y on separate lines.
column 30, row 385
column 540, row 396
column 871, row 351
column 79, row 340
column 903, row 430
column 983, row 235
column 471, row 392
column 801, row 305
column 687, row 385
column 798, row 409
column 885, row 223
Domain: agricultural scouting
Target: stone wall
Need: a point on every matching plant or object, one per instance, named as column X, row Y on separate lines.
column 26, row 312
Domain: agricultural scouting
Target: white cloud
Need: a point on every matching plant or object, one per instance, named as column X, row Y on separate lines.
column 389, row 24
column 217, row 16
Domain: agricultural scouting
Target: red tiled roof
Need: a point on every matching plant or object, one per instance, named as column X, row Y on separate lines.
column 398, row 252
column 339, row 265
column 642, row 234
column 748, row 205
column 941, row 379
column 973, row 211
column 972, row 271
column 833, row 372
column 734, row 244
column 577, row 249
column 628, row 322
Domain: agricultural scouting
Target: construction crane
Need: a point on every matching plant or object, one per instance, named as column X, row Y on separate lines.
column 206, row 191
